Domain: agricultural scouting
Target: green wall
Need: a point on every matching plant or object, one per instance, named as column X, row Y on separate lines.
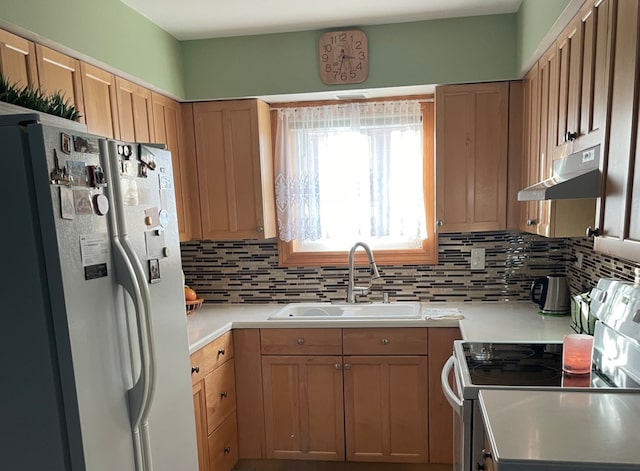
column 534, row 19
column 106, row 30
column 467, row 49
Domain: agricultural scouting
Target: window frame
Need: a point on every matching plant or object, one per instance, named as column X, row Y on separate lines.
column 289, row 257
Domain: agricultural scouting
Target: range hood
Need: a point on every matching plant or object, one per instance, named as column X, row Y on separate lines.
column 574, row 176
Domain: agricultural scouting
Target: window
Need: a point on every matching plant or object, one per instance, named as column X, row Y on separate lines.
column 355, row 172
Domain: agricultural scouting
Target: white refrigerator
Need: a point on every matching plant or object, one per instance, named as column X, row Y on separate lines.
column 93, row 349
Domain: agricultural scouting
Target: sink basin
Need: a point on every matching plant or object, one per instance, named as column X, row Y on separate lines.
column 328, row 311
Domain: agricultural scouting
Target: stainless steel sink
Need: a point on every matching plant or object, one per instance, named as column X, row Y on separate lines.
column 329, row 311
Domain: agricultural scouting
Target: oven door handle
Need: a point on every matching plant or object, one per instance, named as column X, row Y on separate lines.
column 455, row 401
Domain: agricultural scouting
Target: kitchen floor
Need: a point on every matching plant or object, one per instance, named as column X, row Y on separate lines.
column 293, row 465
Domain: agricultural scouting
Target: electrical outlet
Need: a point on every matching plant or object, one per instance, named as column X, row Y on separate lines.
column 579, row 257
column 477, row 259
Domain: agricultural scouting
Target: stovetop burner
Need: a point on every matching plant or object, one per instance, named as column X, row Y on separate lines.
column 514, row 364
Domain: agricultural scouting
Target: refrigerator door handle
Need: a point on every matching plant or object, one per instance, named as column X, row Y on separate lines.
column 131, row 276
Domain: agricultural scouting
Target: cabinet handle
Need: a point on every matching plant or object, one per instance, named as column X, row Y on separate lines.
column 480, row 467
column 486, row 454
column 570, row 136
column 337, row 366
column 439, row 223
column 531, row 222
column 347, row 366
column 227, row 450
column 260, row 229
column 300, row 341
column 223, row 394
column 592, row 232
column 221, row 351
column 195, row 369
column 384, row 341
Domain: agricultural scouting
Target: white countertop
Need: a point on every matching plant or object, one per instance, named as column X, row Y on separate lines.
column 483, row 321
column 555, row 430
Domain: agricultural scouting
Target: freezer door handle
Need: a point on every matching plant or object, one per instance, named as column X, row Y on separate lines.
column 455, row 402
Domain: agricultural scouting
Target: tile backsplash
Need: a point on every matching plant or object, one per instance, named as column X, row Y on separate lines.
column 248, row 272
column 595, row 266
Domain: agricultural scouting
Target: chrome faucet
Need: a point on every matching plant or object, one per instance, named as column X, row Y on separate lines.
column 352, row 290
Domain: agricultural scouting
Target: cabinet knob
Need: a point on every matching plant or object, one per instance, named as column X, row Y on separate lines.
column 439, row 223
column 531, row 222
column 570, row 136
column 347, row 366
column 592, row 232
column 224, row 394
column 195, row 369
column 337, row 366
column 227, row 450
column 486, row 454
column 260, row 229
column 480, row 467
column 221, row 351
column 384, row 341
column 300, row 341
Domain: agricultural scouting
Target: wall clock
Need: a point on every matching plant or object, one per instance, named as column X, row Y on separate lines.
column 344, row 57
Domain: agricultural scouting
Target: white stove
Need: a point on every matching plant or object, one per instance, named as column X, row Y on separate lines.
column 538, row 366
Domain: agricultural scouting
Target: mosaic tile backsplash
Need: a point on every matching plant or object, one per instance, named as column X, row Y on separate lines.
column 595, row 266
column 248, row 271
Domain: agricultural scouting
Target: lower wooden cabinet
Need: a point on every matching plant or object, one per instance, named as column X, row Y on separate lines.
column 200, row 409
column 214, row 401
column 386, row 402
column 369, row 395
column 303, row 407
column 223, row 446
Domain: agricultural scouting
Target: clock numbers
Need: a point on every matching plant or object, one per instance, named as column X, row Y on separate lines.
column 343, row 57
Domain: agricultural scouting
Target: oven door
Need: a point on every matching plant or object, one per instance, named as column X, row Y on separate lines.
column 462, row 417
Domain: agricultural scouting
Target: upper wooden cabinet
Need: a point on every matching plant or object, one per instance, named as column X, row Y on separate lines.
column 620, row 206
column 583, row 66
column 235, row 169
column 471, row 156
column 529, row 215
column 565, row 112
column 168, row 129
column 135, row 112
column 18, row 60
column 58, row 72
column 100, row 109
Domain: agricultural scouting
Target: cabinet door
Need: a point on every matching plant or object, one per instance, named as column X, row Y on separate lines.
column 596, row 22
column 548, row 76
column 135, row 112
column 569, row 54
column 471, row 156
column 303, row 406
column 235, row 169
column 100, row 108
column 620, row 211
column 440, row 413
column 167, row 119
column 531, row 161
column 200, row 409
column 386, row 413
column 18, row 60
column 223, row 446
column 58, row 72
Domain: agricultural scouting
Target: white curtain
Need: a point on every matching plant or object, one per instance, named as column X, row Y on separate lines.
column 350, row 170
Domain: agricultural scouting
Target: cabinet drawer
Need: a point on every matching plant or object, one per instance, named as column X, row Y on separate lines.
column 223, row 446
column 197, row 366
column 392, row 341
column 220, row 390
column 217, row 352
column 301, row 341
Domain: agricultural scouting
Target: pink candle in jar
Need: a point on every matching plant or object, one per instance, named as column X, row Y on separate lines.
column 577, row 350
